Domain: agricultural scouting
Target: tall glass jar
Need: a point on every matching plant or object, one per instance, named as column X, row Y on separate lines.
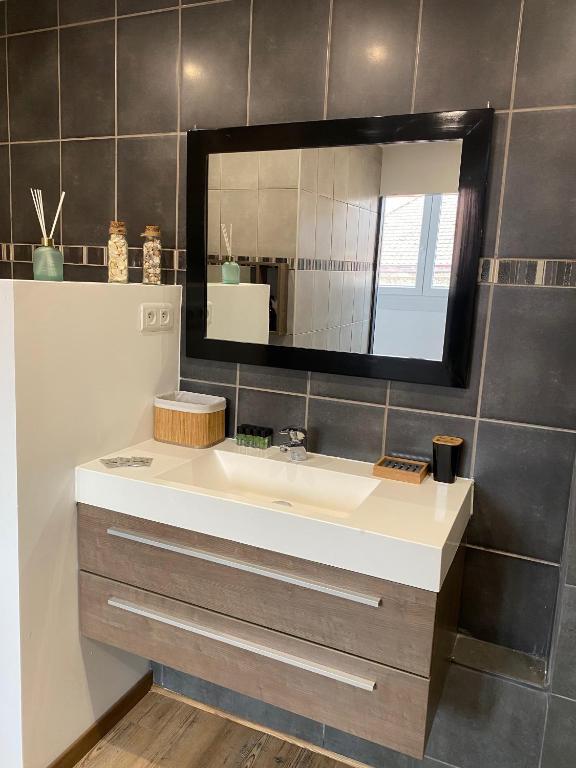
column 152, row 256
column 117, row 253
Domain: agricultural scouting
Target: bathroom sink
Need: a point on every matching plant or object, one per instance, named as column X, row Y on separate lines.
column 272, row 481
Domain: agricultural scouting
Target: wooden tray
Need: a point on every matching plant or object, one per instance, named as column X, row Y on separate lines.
column 404, row 470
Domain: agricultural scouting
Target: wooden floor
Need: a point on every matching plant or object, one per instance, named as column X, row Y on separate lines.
column 168, row 732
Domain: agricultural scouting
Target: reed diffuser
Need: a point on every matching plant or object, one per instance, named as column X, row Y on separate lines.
column 230, row 268
column 48, row 262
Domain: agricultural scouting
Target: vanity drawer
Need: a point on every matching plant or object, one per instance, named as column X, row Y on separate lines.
column 375, row 619
column 369, row 700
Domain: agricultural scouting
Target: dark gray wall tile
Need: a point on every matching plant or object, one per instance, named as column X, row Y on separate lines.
column 494, row 189
column 269, row 409
column 31, row 14
column 3, row 17
column 537, row 221
column 72, row 11
column 87, row 80
column 22, row 270
column 243, row 706
column 215, row 40
column 289, row 42
column 411, row 433
column 372, row 57
column 3, row 94
column 342, row 429
column 564, row 673
column 559, row 739
column 467, row 52
column 33, row 67
column 5, row 270
column 368, row 753
column 348, row 388
column 208, row 370
column 147, row 73
column 33, row 165
column 218, row 390
column 5, row 195
column 509, row 601
column 88, row 178
column 449, row 399
column 547, row 56
column 531, row 357
column 147, row 186
column 79, row 273
column 136, row 6
column 281, row 379
column 522, row 490
column 485, row 722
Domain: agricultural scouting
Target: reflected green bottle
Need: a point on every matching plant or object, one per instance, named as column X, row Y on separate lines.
column 48, row 262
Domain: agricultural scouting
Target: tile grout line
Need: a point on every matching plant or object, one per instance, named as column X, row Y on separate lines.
column 497, row 242
column 307, row 404
column 328, row 51
column 9, row 132
column 236, row 397
column 249, row 74
column 115, row 110
column 178, row 140
column 545, row 725
column 59, row 55
column 515, row 555
column 385, row 423
column 417, row 58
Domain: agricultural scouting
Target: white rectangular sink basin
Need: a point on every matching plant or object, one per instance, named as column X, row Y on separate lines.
column 274, row 482
column 326, row 510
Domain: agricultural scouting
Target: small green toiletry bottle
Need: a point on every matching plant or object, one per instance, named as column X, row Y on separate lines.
column 230, row 273
column 48, row 262
column 240, row 435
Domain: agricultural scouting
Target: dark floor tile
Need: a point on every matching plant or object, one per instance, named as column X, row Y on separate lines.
column 372, row 55
column 3, row 94
column 208, row 370
column 348, row 388
column 72, row 11
column 270, row 409
column 484, row 722
column 5, row 231
column 215, row 41
column 499, row 660
column 242, row 706
column 559, row 739
column 509, row 601
column 33, row 165
column 147, row 186
column 137, row 6
column 547, row 56
column 88, row 178
column 427, row 397
column 217, row 390
column 31, row 14
column 411, row 433
column 368, row 753
column 494, row 188
column 5, row 270
column 467, row 52
column 522, row 490
column 87, row 80
column 289, row 42
column 564, row 673
column 345, row 430
column 33, row 67
column 281, row 379
column 531, row 357
column 536, row 221
column 147, row 73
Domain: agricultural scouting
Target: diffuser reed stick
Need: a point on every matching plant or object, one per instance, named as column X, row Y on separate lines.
column 39, row 206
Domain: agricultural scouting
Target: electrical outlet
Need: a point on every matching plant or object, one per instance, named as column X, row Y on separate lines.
column 155, row 318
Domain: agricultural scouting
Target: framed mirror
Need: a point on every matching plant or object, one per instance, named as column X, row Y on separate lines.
column 341, row 246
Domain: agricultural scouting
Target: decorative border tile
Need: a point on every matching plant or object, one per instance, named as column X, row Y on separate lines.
column 552, row 273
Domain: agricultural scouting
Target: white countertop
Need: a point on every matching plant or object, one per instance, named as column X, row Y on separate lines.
column 401, row 532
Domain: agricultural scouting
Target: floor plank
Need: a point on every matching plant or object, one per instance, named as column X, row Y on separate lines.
column 163, row 731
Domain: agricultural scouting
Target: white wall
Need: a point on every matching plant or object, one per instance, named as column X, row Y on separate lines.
column 10, row 701
column 420, row 168
column 85, row 378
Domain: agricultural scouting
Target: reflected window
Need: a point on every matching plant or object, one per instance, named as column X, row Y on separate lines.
column 417, row 242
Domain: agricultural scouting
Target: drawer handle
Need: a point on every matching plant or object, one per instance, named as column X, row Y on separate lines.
column 239, row 565
column 246, row 645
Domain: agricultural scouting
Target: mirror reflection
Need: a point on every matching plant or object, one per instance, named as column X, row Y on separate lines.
column 345, row 249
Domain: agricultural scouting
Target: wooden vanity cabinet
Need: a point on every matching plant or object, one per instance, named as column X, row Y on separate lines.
column 360, row 654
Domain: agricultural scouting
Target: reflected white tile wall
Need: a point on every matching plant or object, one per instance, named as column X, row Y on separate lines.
column 352, row 221
column 321, row 300
column 240, row 208
column 277, row 223
column 363, row 235
column 339, row 230
column 326, row 171
column 307, row 225
column 335, row 299
column 324, row 228
column 341, row 156
column 214, row 171
column 214, row 233
column 309, row 170
column 279, row 169
column 240, row 170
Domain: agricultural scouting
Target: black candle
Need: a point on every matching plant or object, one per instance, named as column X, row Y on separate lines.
column 445, row 457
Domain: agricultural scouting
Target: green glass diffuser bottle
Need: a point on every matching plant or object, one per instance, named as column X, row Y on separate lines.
column 48, row 261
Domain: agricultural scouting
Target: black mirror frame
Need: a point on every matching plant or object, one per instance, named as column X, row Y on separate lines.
column 474, row 127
